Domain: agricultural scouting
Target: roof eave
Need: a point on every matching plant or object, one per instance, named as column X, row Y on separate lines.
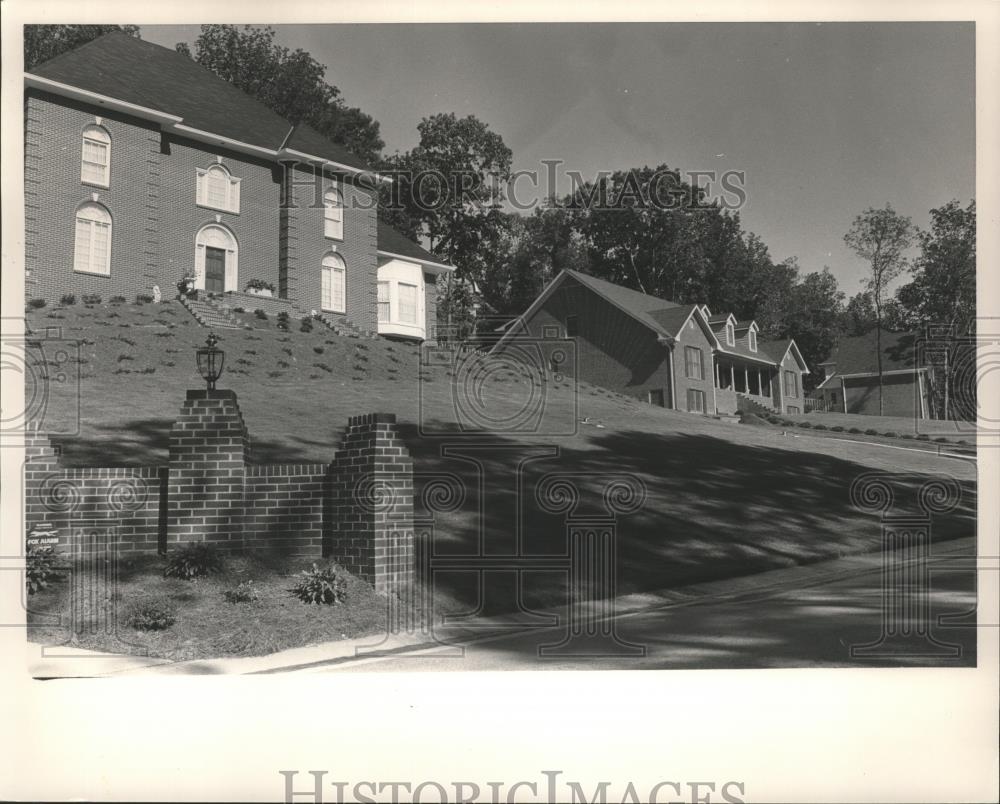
column 286, row 152
column 85, row 95
column 433, row 267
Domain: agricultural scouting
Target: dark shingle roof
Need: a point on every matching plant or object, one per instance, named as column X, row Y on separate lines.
column 774, row 350
column 632, row 301
column 719, row 318
column 395, row 243
column 857, row 355
column 155, row 77
column 671, row 319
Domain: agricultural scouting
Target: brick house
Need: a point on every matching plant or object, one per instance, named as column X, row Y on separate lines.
column 142, row 167
column 850, row 377
column 671, row 355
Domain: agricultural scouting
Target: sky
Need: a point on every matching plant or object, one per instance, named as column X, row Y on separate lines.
column 824, row 119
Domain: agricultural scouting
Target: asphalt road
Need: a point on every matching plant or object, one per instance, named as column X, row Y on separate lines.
column 811, row 625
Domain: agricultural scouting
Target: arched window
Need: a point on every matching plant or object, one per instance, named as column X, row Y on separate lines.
column 218, row 189
column 333, row 284
column 216, row 259
column 730, row 334
column 333, row 210
column 752, row 338
column 92, row 248
column 95, row 163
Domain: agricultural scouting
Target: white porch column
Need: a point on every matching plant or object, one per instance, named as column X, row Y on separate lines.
column 746, row 380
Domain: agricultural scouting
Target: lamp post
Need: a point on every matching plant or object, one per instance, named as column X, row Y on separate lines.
column 210, row 361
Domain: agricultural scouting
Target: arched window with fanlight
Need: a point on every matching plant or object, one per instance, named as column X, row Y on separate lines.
column 216, row 259
column 92, row 244
column 333, row 212
column 95, row 160
column 218, row 189
column 333, row 284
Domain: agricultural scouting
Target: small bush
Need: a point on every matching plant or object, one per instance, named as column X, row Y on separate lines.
column 805, row 425
column 239, row 309
column 907, row 436
column 923, row 437
column 963, row 442
column 148, row 614
column 320, row 586
column 283, row 321
column 44, row 566
column 242, row 593
column 143, row 298
column 871, row 431
column 891, row 434
column 37, row 304
column 855, row 431
column 68, row 300
column 941, row 440
column 318, row 350
column 91, row 299
column 260, row 314
column 117, row 300
column 837, row 428
column 820, row 427
column 306, row 325
column 193, row 561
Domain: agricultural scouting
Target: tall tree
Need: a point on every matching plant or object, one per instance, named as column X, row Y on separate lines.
column 881, row 237
column 44, row 42
column 942, row 293
column 291, row 82
column 813, row 318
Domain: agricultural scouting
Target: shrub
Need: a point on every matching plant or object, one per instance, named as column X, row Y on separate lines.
column 242, row 593
column 143, row 298
column 318, row 350
column 907, row 435
column 68, row 300
column 283, row 321
column 923, row 437
column 820, row 427
column 239, row 309
column 193, row 561
column 871, row 431
column 44, row 566
column 805, row 425
column 891, row 434
column 855, row 430
column 148, row 614
column 306, row 325
column 259, row 284
column 941, row 440
column 320, row 586
column 37, row 304
column 118, row 300
column 260, row 314
column 91, row 298
column 963, row 442
column 837, row 428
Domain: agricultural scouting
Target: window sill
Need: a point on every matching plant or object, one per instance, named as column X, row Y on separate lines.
column 331, row 310
column 334, row 238
column 217, row 209
column 86, row 183
column 92, row 273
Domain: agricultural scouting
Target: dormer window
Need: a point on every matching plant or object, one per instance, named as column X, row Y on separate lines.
column 218, row 189
column 752, row 340
column 730, row 334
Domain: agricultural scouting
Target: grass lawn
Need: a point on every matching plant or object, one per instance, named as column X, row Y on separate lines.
column 721, row 499
column 206, row 624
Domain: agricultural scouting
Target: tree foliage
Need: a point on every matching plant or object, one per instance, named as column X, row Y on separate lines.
column 44, row 42
column 291, row 82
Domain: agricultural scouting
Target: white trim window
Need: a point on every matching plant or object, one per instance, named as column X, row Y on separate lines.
column 95, row 157
column 92, row 244
column 333, row 291
column 407, row 303
column 752, row 340
column 218, row 238
column 217, row 189
column 382, row 303
column 730, row 334
column 333, row 214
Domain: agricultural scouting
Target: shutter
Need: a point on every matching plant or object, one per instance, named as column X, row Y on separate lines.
column 231, row 278
column 234, row 195
column 199, row 266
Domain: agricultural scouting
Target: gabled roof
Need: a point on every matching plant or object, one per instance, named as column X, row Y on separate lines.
column 776, row 351
column 741, row 325
column 395, row 244
column 856, row 355
column 152, row 78
column 721, row 318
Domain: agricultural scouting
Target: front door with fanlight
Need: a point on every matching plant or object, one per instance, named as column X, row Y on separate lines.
column 215, row 269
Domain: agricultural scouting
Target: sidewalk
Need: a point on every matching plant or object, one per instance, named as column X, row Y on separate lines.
column 75, row 663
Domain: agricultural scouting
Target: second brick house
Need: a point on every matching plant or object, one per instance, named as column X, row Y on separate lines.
column 671, row 355
column 142, row 167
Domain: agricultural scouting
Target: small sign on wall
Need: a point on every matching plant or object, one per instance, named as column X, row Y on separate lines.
column 42, row 535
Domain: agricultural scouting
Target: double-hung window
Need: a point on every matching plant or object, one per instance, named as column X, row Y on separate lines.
column 92, row 245
column 334, row 280
column 694, row 366
column 95, row 162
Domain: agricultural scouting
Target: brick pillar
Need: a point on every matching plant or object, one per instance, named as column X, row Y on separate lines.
column 371, row 531
column 48, row 498
column 209, row 446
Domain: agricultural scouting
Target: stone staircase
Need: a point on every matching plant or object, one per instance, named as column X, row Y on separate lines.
column 344, row 327
column 747, row 405
column 209, row 314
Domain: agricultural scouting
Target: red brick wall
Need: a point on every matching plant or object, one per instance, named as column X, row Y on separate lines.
column 613, row 350
column 305, row 244
column 284, row 507
column 694, row 335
